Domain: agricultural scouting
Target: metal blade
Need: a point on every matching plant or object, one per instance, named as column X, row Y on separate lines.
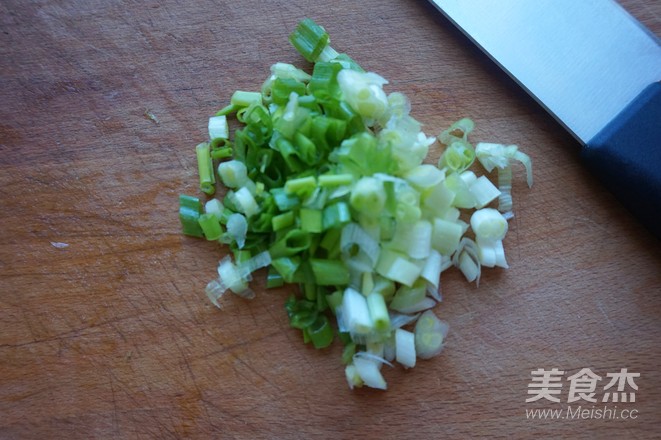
column 584, row 60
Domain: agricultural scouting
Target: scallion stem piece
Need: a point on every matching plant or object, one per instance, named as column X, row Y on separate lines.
column 218, row 128
column 210, row 226
column 245, row 99
column 430, row 333
column 190, row 210
column 405, row 348
column 329, row 272
column 205, row 168
column 378, row 312
column 309, row 39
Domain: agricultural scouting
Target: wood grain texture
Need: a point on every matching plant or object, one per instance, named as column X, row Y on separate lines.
column 112, row 337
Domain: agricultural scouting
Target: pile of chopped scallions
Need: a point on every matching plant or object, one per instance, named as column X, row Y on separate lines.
column 326, row 187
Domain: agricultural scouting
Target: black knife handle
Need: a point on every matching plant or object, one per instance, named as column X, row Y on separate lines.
column 626, row 157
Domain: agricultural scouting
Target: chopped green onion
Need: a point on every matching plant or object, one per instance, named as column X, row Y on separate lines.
column 424, row 176
column 348, row 352
column 283, row 221
column 274, row 279
column 489, row 224
column 353, row 378
column 429, row 335
column 355, row 314
column 293, row 242
column 329, row 272
column 309, row 39
column 405, row 347
column 334, row 300
column 210, row 226
column 329, row 189
column 497, row 155
column 406, row 297
column 218, row 128
column 359, row 246
column 491, row 253
column 284, row 70
column 505, row 188
column 458, row 130
column 245, row 202
column 458, row 156
column 484, row 191
column 368, row 196
column 413, row 239
column 233, row 173
column 311, row 220
column 466, row 258
column 335, row 215
column 431, row 272
column 445, row 236
column 214, row 207
column 205, row 168
column 331, row 180
column 364, row 92
column 237, row 228
column 287, row 267
column 397, row 267
column 285, row 202
column 190, row 210
column 302, row 186
column 378, row 311
column 463, row 198
column 320, row 332
column 245, row 99
column 368, row 371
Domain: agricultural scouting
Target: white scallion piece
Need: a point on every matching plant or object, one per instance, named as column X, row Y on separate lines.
column 414, row 240
column 364, row 93
column 484, row 191
column 245, row 202
column 432, row 268
column 405, row 348
column 289, row 71
column 215, row 208
column 364, row 247
column 466, row 258
column 389, row 350
column 355, row 313
column 397, row 267
column 368, row 371
column 353, row 378
column 368, row 196
column 424, row 176
column 424, row 304
column 218, row 127
column 237, row 228
column 231, row 277
column 398, row 320
column 378, row 312
column 468, row 177
column 430, row 332
column 374, row 353
column 505, row 187
column 492, row 253
column 463, row 197
column 489, row 224
column 446, row 236
column 233, row 173
column 438, row 200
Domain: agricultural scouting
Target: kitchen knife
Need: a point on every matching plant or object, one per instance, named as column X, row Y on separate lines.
column 596, row 69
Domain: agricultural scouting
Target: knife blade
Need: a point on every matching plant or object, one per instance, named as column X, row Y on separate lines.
column 593, row 67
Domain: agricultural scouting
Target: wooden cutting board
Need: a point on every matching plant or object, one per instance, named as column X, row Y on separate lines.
column 111, row 336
